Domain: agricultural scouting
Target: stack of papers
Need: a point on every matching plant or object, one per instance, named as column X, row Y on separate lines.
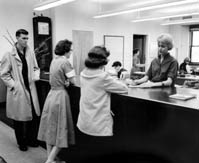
column 183, row 96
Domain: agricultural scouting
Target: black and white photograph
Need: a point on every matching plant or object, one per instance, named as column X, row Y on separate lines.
column 99, row 81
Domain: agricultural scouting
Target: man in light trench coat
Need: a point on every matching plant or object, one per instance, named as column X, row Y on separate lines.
column 19, row 71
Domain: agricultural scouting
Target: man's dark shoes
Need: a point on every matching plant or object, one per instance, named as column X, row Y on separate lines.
column 33, row 144
column 23, row 148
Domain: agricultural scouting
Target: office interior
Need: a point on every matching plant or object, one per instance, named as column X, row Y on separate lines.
column 80, row 22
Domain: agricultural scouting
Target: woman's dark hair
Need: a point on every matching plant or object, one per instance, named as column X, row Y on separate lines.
column 21, row 31
column 97, row 57
column 62, row 47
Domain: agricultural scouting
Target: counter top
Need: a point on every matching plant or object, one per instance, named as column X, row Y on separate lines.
column 160, row 95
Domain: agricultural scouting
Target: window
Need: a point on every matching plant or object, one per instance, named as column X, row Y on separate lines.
column 194, row 45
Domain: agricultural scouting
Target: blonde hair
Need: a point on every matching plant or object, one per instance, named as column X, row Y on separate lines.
column 166, row 39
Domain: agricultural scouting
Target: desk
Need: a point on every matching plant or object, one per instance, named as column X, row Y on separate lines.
column 180, row 80
column 148, row 126
column 137, row 75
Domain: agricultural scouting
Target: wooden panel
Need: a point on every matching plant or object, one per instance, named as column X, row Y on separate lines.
column 115, row 44
column 148, row 127
column 42, row 30
column 82, row 43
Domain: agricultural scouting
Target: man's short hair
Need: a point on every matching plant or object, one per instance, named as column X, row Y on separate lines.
column 116, row 63
column 135, row 51
column 21, row 31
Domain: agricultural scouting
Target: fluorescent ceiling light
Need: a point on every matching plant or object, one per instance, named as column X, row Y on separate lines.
column 182, row 22
column 146, row 8
column 187, row 8
column 164, row 17
column 50, row 3
column 144, row 3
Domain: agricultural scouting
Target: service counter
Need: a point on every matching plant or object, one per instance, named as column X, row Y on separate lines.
column 148, row 126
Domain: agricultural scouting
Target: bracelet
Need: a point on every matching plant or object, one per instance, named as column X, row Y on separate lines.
column 163, row 84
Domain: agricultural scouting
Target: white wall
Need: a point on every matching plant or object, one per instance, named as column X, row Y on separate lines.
column 16, row 14
column 79, row 17
column 70, row 17
column 181, row 41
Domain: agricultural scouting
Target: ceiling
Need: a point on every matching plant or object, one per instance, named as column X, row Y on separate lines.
column 144, row 9
column 182, row 12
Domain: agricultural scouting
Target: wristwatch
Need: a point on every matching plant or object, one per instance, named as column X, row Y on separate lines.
column 11, row 89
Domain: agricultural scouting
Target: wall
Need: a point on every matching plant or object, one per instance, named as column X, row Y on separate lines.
column 70, row 17
column 181, row 41
column 77, row 17
column 15, row 15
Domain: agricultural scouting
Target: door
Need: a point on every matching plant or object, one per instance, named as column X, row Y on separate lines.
column 82, row 43
column 139, row 41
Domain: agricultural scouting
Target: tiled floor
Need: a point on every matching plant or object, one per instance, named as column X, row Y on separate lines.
column 10, row 152
column 8, row 147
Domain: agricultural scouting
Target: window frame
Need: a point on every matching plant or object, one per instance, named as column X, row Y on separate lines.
column 191, row 30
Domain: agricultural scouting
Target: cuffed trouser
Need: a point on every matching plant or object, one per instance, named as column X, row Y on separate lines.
column 26, row 131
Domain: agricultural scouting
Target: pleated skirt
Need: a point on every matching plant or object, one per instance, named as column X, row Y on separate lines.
column 56, row 124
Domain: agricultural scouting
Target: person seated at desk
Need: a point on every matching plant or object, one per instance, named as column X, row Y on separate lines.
column 163, row 69
column 184, row 67
column 118, row 68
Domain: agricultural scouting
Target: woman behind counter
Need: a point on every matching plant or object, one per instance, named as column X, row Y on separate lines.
column 56, row 126
column 163, row 69
column 95, row 121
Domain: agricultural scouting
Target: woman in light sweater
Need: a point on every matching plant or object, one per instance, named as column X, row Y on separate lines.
column 95, row 120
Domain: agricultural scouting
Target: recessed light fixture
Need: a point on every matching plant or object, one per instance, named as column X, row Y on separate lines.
column 190, row 21
column 164, row 17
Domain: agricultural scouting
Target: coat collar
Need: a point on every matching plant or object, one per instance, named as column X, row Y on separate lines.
column 15, row 53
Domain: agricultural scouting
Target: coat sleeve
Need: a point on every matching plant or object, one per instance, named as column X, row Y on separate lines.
column 113, row 85
column 5, row 71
